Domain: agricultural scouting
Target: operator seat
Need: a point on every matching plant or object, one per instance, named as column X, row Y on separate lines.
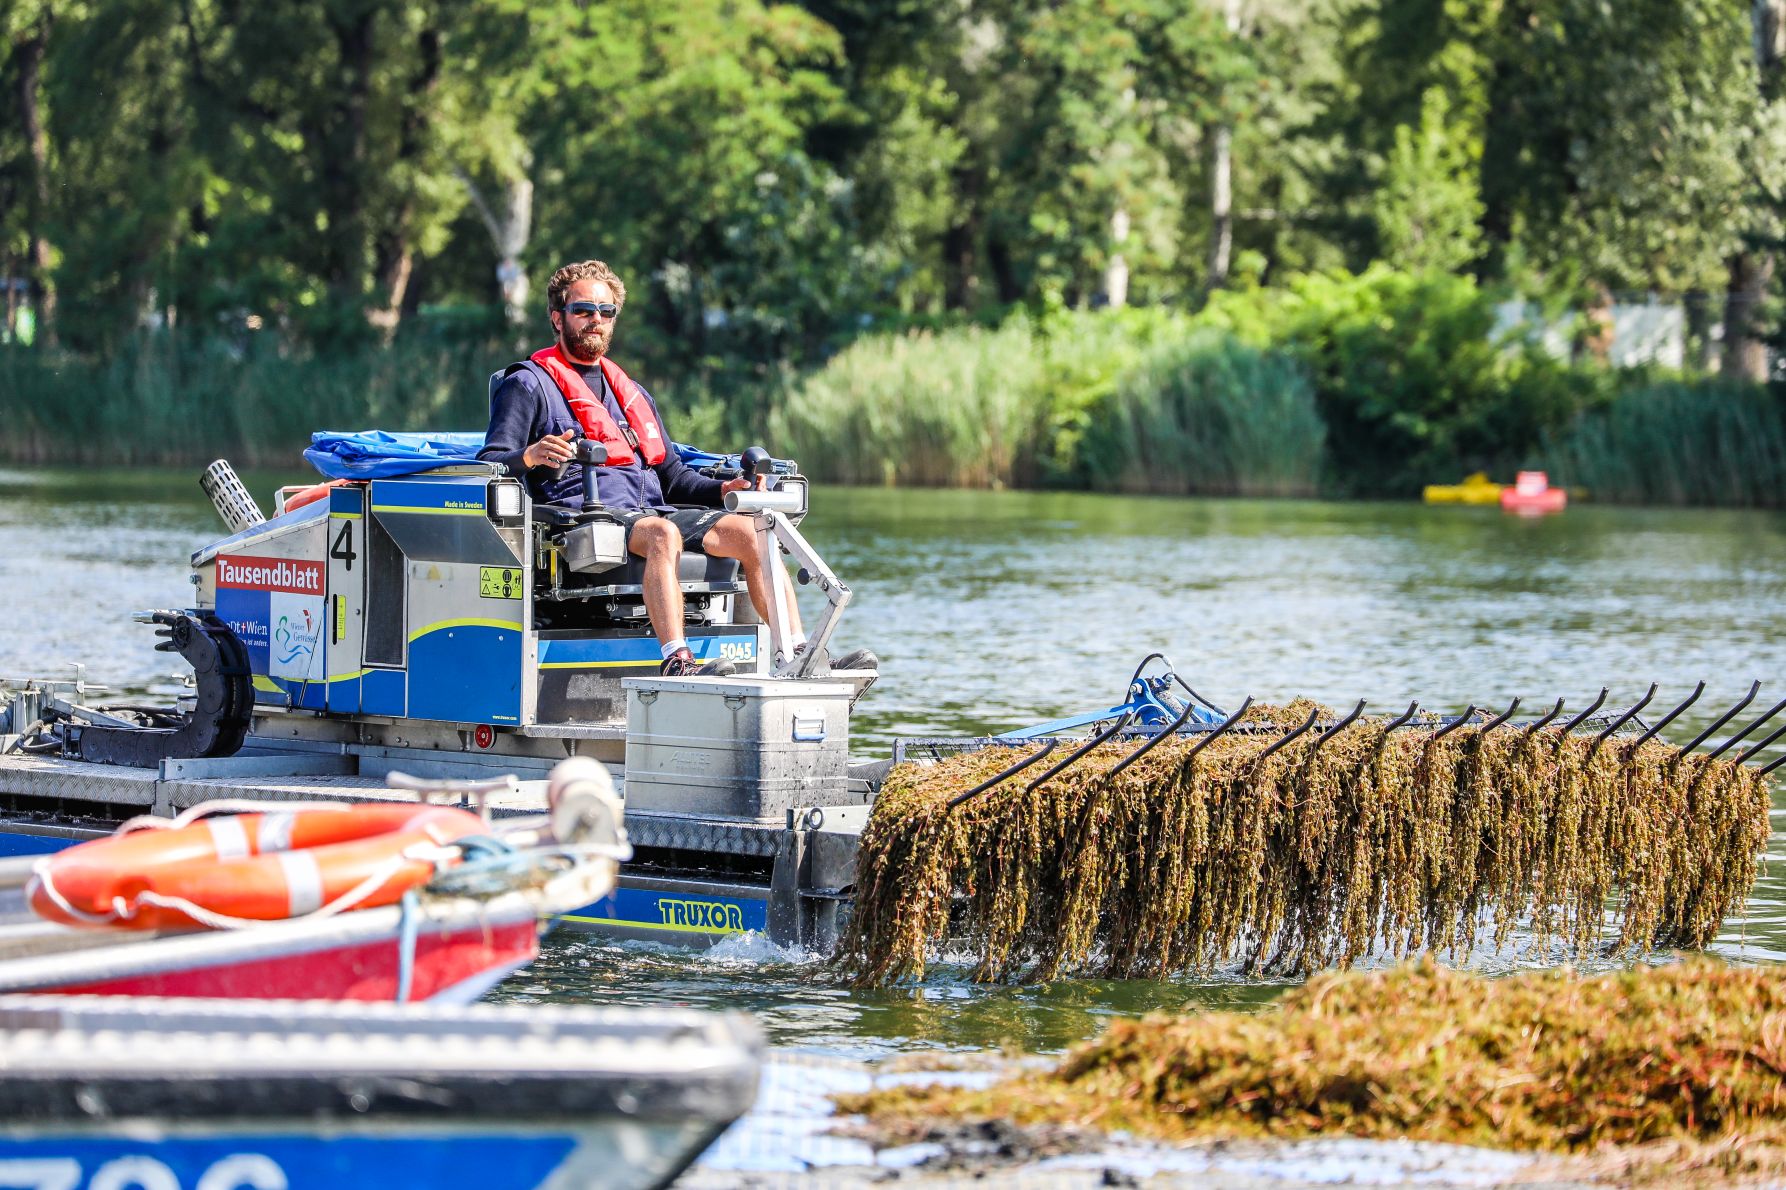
column 696, row 574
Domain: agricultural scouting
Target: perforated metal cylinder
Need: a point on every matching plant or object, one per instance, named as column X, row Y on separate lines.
column 230, row 497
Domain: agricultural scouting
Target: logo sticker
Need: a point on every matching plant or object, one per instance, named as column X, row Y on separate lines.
column 715, row 916
column 295, row 644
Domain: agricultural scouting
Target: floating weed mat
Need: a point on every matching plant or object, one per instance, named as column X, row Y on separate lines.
column 1372, row 841
column 1692, row 1053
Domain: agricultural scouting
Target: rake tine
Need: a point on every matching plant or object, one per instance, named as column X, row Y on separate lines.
column 1209, row 739
column 1670, row 716
column 1583, row 717
column 983, row 786
column 1337, row 727
column 1739, row 736
column 1189, row 710
column 1623, row 719
column 1401, row 719
column 1726, row 717
column 1076, row 753
column 1455, row 723
column 1778, row 732
column 1554, row 712
column 1501, row 718
column 1776, row 764
column 1282, row 740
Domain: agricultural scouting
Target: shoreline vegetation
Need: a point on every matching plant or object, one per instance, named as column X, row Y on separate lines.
column 1642, row 1074
column 1340, row 384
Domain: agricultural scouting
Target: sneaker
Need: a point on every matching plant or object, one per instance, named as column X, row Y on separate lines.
column 854, row 659
column 682, row 664
column 857, row 659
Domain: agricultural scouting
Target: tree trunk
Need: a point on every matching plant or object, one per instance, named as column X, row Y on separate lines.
column 1752, row 270
column 9, row 330
column 1745, row 354
column 1221, row 183
column 343, row 189
column 395, row 256
column 1221, row 206
column 1701, row 352
column 43, row 285
column 1116, row 271
column 509, row 232
column 961, row 265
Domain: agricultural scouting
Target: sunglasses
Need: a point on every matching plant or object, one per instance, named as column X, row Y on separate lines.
column 591, row 309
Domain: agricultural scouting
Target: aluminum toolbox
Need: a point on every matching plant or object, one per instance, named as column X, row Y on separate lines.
column 741, row 747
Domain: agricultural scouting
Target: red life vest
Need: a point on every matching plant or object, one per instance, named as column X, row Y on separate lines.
column 646, row 435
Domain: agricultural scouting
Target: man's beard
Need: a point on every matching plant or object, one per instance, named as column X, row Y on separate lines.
column 589, row 343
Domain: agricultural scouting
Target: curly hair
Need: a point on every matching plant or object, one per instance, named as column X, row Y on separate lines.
column 583, row 270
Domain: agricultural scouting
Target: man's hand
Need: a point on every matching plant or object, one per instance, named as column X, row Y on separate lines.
column 738, row 483
column 550, row 451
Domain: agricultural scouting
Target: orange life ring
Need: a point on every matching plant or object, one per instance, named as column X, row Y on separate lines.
column 265, row 867
column 311, row 494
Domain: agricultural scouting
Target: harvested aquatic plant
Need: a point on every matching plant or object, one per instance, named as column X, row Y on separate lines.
column 1692, row 1052
column 1288, row 857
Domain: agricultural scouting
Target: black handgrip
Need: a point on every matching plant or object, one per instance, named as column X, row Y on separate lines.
column 755, row 461
column 558, row 471
column 591, row 454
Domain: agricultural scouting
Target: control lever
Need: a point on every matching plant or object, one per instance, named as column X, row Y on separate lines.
column 558, row 471
column 591, row 454
column 755, row 461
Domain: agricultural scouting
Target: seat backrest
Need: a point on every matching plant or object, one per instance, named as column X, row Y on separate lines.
column 540, row 376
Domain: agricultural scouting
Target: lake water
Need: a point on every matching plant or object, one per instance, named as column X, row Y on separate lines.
column 991, row 610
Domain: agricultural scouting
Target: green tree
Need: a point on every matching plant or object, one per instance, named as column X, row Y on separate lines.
column 1429, row 205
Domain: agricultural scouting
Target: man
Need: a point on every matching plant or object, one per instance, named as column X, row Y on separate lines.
column 533, row 428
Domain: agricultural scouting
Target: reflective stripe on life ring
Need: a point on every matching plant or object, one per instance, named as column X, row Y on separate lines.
column 264, row 867
column 311, row 494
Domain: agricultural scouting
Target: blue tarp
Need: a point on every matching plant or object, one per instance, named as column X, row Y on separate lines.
column 376, row 454
column 379, row 454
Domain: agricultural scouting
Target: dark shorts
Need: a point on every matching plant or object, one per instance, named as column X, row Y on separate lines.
column 692, row 523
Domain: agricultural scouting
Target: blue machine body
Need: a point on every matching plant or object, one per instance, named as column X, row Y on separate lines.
column 413, row 589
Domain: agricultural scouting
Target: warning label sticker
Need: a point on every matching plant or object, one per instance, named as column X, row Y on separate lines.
column 499, row 582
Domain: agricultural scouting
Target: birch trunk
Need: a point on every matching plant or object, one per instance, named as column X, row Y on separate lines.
column 1221, row 183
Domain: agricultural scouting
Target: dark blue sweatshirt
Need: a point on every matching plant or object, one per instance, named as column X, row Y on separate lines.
column 521, row 414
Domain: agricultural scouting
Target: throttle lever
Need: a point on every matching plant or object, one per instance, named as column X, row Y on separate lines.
column 591, row 454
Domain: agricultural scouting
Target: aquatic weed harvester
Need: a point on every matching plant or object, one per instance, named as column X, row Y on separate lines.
column 418, row 612
column 1180, row 837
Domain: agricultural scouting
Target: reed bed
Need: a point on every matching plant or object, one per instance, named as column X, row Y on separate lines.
column 169, row 400
column 1209, row 415
column 1376, row 842
column 953, row 408
column 1714, row 442
column 1692, row 1053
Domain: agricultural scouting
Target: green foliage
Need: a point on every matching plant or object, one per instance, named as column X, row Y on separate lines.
column 169, row 400
column 774, row 179
column 946, row 409
column 1410, row 383
column 1212, row 416
column 1086, row 355
column 1429, row 206
column 1705, row 442
column 967, row 406
column 1609, row 142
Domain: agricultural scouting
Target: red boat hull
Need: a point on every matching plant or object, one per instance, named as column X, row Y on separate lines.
column 454, row 966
